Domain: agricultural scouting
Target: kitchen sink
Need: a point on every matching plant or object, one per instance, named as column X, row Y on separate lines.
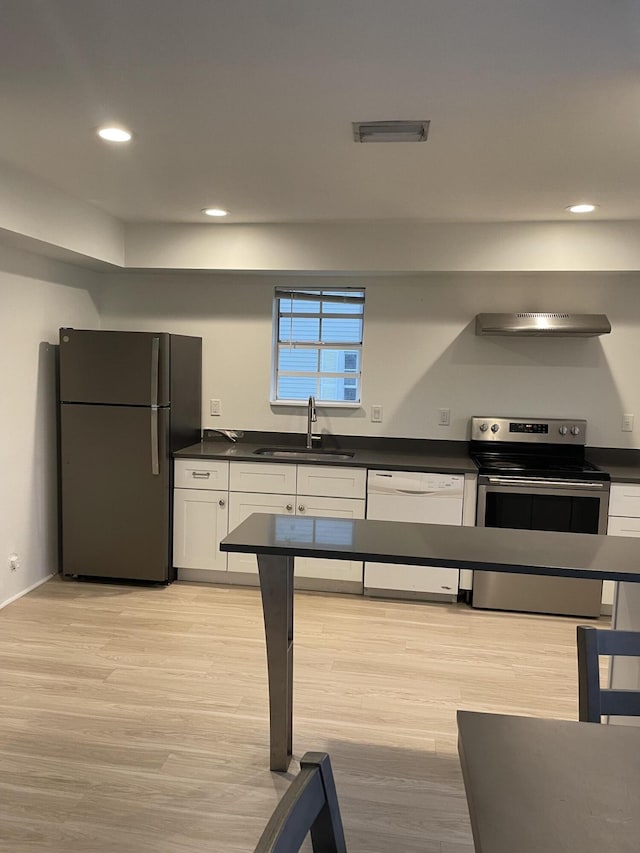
column 310, row 454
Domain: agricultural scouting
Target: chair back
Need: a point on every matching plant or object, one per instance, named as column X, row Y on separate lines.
column 310, row 804
column 593, row 700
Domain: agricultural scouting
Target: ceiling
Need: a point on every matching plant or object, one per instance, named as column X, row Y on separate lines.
column 248, row 104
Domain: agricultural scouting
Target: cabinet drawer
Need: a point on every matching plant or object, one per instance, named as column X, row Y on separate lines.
column 625, row 499
column 262, row 477
column 619, row 526
column 332, row 482
column 201, row 474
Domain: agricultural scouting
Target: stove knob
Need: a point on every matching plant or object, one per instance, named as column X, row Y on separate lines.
column 575, row 430
column 563, row 430
column 495, row 427
column 484, row 427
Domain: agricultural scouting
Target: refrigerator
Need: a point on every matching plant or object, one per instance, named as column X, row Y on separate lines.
column 127, row 401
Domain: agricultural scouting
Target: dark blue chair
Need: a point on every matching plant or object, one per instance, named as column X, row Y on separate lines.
column 309, row 805
column 595, row 701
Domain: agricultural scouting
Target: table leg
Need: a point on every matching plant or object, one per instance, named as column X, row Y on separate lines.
column 276, row 587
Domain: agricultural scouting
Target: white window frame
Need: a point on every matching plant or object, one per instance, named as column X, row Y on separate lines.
column 316, row 294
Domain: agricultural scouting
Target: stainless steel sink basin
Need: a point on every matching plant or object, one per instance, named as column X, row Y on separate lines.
column 310, row 454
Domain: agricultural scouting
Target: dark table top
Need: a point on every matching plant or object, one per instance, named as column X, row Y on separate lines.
column 482, row 548
column 550, row 786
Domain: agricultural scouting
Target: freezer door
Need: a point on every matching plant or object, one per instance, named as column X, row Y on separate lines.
column 116, row 368
column 115, row 509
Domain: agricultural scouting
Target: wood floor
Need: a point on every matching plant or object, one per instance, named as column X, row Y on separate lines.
column 135, row 719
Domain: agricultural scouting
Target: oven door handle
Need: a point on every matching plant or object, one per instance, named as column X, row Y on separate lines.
column 544, row 483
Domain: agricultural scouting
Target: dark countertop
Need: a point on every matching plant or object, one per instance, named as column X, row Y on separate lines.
column 498, row 549
column 394, row 454
column 447, row 457
column 622, row 464
column 538, row 785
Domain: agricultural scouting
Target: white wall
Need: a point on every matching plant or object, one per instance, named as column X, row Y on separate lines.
column 32, row 210
column 420, row 350
column 386, row 247
column 37, row 296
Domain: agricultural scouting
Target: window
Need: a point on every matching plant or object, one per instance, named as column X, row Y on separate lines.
column 317, row 345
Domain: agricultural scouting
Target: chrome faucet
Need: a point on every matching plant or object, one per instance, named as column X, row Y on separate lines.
column 311, row 419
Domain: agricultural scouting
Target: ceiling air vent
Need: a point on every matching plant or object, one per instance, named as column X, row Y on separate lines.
column 390, row 131
column 543, row 325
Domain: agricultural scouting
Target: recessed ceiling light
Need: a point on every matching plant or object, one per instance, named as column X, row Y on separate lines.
column 581, row 208
column 215, row 211
column 114, row 134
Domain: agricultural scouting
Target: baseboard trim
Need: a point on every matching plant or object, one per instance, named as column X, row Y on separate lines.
column 27, row 590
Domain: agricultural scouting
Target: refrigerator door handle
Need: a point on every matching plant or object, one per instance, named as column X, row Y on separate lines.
column 155, row 456
column 155, row 369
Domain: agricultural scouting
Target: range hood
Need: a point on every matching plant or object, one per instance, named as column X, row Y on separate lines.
column 541, row 325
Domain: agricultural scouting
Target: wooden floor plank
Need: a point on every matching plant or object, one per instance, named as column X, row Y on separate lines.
column 135, row 719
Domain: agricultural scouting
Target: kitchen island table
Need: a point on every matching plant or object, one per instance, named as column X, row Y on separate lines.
column 278, row 539
column 550, row 785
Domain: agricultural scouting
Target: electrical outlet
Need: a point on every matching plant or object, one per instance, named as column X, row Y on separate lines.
column 215, row 407
column 376, row 414
column 444, row 417
column 627, row 423
column 14, row 562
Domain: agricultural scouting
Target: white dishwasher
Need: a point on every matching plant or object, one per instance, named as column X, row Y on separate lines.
column 413, row 496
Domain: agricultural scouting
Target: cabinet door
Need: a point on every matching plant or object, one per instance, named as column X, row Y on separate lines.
column 241, row 505
column 309, row 567
column 200, row 521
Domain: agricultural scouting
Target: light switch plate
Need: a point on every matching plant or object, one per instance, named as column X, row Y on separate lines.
column 376, row 414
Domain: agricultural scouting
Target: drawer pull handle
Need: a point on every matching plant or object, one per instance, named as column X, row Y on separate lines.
column 300, row 507
column 289, row 507
column 201, row 475
column 221, row 502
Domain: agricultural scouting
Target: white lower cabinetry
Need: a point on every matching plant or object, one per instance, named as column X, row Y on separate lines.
column 624, row 520
column 334, row 570
column 244, row 504
column 200, row 515
column 315, row 490
column 212, row 497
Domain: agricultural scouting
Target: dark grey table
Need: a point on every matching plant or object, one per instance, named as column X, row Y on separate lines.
column 550, row 785
column 278, row 539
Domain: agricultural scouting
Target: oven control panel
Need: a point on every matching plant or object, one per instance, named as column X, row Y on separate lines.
column 535, row 430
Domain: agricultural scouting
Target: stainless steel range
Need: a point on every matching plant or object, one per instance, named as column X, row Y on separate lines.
column 533, row 474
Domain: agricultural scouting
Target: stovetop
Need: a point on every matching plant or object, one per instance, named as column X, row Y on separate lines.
column 551, row 448
column 537, row 465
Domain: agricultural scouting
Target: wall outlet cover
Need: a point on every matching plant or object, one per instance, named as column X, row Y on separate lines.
column 444, row 417
column 215, row 407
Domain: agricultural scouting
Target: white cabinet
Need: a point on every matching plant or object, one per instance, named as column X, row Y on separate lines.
column 335, row 570
column 421, row 497
column 241, row 506
column 299, row 490
column 200, row 514
column 624, row 520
